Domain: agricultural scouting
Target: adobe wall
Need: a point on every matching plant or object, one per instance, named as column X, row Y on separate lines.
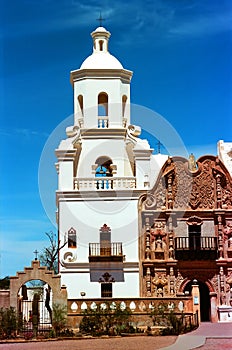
column 5, row 298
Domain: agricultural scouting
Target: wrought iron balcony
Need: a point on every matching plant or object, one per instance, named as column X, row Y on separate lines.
column 109, row 252
column 196, row 248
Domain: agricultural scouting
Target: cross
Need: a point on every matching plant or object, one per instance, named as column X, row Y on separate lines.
column 100, row 19
column 36, row 254
column 159, row 144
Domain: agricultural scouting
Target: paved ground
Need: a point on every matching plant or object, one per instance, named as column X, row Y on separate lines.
column 217, row 344
column 209, row 336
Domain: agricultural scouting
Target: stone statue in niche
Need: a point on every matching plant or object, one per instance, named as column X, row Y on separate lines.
column 158, row 235
column 228, row 238
column 192, row 163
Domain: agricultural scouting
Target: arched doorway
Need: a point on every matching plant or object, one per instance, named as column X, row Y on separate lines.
column 34, row 306
column 204, row 299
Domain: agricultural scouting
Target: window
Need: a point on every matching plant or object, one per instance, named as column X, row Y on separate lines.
column 72, row 238
column 103, row 104
column 103, row 167
column 194, row 237
column 106, row 290
column 124, row 99
column 80, row 101
column 101, row 45
column 105, row 240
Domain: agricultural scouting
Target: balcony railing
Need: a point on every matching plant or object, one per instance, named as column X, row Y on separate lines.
column 195, row 247
column 103, row 122
column 195, row 243
column 104, row 183
column 111, row 249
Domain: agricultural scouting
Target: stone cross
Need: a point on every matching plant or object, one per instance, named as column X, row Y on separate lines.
column 36, row 254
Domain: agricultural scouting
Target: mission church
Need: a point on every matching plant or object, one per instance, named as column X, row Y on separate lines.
column 137, row 224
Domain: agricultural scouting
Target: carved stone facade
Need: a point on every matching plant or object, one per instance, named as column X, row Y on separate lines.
column 186, row 233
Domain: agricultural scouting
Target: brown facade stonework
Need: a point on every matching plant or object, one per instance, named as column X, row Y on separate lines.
column 186, row 233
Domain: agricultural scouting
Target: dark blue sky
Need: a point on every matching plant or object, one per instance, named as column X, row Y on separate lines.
column 180, row 53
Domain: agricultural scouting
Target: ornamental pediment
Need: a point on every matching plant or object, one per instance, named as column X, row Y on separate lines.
column 191, row 185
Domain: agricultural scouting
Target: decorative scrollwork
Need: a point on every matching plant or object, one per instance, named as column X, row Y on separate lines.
column 72, row 131
column 150, row 202
column 69, row 256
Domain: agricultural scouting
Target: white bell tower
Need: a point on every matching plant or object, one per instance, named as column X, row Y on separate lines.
column 101, row 88
column 103, row 168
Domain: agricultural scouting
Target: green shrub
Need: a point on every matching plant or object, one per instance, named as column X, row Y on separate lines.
column 101, row 321
column 8, row 323
column 59, row 318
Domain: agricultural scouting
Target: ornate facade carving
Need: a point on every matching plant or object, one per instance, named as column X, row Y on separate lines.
column 199, row 189
column 190, row 209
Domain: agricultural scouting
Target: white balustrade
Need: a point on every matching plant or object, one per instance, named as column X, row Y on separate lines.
column 103, row 122
column 104, row 183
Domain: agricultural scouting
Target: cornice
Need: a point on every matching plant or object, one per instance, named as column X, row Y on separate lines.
column 80, row 74
column 65, row 155
column 107, row 133
column 98, row 195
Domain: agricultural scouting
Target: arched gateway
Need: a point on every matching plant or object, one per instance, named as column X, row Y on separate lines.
column 51, row 284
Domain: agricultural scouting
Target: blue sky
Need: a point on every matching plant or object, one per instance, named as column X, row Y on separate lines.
column 180, row 52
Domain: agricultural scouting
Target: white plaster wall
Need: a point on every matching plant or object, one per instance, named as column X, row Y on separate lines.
column 77, row 283
column 128, row 288
column 86, row 217
column 65, row 175
column 142, row 172
column 157, row 161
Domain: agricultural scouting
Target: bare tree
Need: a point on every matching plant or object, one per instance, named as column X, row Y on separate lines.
column 50, row 254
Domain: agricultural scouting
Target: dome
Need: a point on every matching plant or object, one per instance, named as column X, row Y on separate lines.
column 101, row 60
column 100, row 29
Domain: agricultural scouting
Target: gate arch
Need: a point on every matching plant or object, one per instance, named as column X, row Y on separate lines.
column 37, row 272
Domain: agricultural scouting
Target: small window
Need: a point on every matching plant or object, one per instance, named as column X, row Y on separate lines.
column 101, row 45
column 104, row 167
column 72, row 238
column 103, row 104
column 106, row 290
column 80, row 101
column 124, row 99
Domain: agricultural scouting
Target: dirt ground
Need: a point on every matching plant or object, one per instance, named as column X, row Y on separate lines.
column 121, row 343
